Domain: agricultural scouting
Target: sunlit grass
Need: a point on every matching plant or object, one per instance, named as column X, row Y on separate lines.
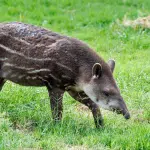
column 25, row 119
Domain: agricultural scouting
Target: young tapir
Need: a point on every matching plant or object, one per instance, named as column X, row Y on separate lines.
column 33, row 56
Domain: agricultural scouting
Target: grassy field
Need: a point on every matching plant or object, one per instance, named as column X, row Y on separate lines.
column 25, row 116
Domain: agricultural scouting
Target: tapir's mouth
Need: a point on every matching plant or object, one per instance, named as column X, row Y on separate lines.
column 125, row 113
column 116, row 110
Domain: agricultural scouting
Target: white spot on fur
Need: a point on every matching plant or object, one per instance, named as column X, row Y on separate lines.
column 28, row 77
column 3, row 59
column 21, row 76
column 34, row 78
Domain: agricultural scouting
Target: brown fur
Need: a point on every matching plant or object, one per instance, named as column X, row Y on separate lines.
column 34, row 56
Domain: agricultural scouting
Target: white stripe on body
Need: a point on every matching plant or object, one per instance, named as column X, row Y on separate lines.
column 16, row 67
column 40, row 70
column 32, row 71
column 44, row 80
column 45, row 70
column 3, row 59
column 17, row 39
column 35, row 59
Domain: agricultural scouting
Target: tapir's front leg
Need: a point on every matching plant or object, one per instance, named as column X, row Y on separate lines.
column 82, row 98
column 56, row 96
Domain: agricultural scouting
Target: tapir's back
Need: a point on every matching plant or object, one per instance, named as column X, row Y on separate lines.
column 27, row 39
column 26, row 31
column 28, row 53
column 37, row 42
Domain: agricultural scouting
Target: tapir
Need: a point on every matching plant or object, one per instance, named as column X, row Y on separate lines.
column 34, row 56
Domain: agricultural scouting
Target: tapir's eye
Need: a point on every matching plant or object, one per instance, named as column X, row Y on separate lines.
column 106, row 93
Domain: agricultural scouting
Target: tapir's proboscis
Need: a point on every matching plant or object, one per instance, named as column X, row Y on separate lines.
column 34, row 56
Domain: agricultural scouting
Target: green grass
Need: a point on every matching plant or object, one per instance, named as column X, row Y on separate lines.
column 25, row 118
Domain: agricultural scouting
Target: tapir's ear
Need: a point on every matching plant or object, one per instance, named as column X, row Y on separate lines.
column 111, row 64
column 97, row 70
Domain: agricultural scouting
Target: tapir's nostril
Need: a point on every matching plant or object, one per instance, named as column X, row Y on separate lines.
column 127, row 115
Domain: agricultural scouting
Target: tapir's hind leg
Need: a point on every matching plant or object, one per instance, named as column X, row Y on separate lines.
column 82, row 98
column 2, row 81
column 56, row 97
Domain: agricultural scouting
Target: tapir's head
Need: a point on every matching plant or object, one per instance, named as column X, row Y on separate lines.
column 102, row 89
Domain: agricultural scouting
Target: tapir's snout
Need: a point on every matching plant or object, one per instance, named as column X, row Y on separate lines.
column 125, row 111
column 120, row 108
column 126, row 115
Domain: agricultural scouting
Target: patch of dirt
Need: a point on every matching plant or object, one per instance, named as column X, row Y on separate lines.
column 143, row 22
column 138, row 116
column 81, row 107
